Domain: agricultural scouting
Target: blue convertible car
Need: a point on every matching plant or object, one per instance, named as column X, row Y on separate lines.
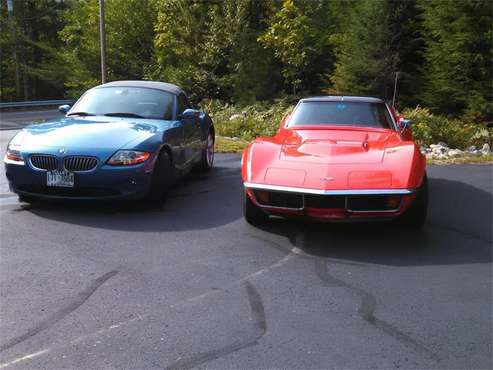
column 120, row 140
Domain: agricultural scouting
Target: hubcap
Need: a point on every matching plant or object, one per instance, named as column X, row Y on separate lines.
column 210, row 150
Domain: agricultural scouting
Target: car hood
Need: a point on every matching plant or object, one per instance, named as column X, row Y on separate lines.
column 332, row 159
column 335, row 146
column 85, row 133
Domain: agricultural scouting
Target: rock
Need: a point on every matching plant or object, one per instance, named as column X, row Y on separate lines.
column 486, row 149
column 441, row 143
column 455, row 153
column 471, row 149
column 234, row 138
column 235, row 116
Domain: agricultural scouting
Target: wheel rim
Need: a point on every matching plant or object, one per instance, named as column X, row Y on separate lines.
column 209, row 151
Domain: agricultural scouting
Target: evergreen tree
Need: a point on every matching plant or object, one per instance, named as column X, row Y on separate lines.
column 459, row 42
column 379, row 40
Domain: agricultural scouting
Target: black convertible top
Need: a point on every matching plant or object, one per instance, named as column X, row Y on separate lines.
column 164, row 86
column 361, row 99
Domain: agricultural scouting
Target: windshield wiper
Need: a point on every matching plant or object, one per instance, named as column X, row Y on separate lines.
column 80, row 114
column 123, row 114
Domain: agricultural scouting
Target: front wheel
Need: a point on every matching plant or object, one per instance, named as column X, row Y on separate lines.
column 162, row 178
column 415, row 216
column 207, row 157
column 252, row 214
column 27, row 199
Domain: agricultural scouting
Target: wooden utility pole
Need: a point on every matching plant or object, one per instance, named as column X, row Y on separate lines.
column 102, row 41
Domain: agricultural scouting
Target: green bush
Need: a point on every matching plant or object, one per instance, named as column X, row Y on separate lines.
column 263, row 118
column 249, row 122
column 429, row 129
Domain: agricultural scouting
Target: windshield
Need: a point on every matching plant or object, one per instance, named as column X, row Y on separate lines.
column 341, row 113
column 133, row 102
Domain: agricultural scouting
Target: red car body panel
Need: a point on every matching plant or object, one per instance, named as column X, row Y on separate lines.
column 330, row 159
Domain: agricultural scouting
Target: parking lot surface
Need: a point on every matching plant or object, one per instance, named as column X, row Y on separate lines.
column 191, row 285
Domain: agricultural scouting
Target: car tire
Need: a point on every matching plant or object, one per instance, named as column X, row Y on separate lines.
column 415, row 216
column 252, row 214
column 27, row 199
column 207, row 157
column 162, row 179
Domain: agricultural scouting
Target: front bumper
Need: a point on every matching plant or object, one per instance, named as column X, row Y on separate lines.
column 105, row 182
column 333, row 205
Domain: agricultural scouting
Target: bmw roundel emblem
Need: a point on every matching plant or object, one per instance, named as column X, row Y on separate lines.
column 61, row 151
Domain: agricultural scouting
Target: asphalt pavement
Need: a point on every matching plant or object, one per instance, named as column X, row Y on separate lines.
column 191, row 285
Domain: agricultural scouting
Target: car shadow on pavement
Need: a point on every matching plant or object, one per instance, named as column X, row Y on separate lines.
column 458, row 231
column 458, row 228
column 199, row 201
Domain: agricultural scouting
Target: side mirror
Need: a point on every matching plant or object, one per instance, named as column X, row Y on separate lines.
column 189, row 114
column 404, row 124
column 64, row 108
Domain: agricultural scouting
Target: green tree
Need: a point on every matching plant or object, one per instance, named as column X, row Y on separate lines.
column 298, row 36
column 459, row 42
column 379, row 40
column 129, row 41
column 210, row 49
column 29, row 42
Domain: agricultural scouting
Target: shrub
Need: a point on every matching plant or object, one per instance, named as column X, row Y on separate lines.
column 429, row 129
column 263, row 118
column 249, row 122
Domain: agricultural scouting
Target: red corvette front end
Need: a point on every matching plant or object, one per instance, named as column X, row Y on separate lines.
column 337, row 159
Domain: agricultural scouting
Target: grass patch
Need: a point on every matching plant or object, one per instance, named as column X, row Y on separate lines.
column 228, row 145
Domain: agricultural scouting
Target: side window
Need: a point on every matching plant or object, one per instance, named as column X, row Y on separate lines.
column 182, row 103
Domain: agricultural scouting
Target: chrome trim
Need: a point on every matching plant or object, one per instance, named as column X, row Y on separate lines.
column 330, row 192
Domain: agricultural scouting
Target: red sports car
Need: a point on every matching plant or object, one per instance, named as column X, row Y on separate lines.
column 337, row 158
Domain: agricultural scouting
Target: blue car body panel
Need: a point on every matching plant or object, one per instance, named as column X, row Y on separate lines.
column 102, row 137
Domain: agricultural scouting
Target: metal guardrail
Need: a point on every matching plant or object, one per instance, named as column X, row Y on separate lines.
column 35, row 103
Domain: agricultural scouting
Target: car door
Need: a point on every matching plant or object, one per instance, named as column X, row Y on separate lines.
column 191, row 130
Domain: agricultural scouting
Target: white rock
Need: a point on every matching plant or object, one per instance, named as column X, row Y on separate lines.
column 235, row 116
column 471, row 149
column 486, row 149
column 455, row 153
column 441, row 143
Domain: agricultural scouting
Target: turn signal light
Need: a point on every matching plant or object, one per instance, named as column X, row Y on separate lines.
column 392, row 202
column 14, row 156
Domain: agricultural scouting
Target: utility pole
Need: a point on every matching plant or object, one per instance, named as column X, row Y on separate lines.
column 10, row 11
column 395, row 88
column 102, row 41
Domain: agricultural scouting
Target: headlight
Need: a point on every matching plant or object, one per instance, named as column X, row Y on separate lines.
column 128, row 158
column 13, row 156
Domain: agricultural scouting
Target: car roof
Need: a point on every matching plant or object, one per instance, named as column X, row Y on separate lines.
column 163, row 86
column 359, row 99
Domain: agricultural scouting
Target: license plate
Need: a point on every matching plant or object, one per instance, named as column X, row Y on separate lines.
column 62, row 179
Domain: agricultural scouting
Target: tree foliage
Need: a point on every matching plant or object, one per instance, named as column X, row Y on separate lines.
column 244, row 51
column 459, row 44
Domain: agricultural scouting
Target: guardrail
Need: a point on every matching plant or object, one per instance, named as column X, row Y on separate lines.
column 35, row 103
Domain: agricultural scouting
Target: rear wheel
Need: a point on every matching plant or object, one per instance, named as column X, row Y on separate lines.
column 252, row 214
column 207, row 158
column 162, row 178
column 415, row 216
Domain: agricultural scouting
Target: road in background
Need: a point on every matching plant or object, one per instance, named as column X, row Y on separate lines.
column 193, row 285
column 17, row 119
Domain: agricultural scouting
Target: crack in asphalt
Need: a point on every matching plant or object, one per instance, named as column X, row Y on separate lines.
column 62, row 312
column 367, row 309
column 259, row 329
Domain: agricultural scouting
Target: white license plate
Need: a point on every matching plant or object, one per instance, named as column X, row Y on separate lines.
column 62, row 179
